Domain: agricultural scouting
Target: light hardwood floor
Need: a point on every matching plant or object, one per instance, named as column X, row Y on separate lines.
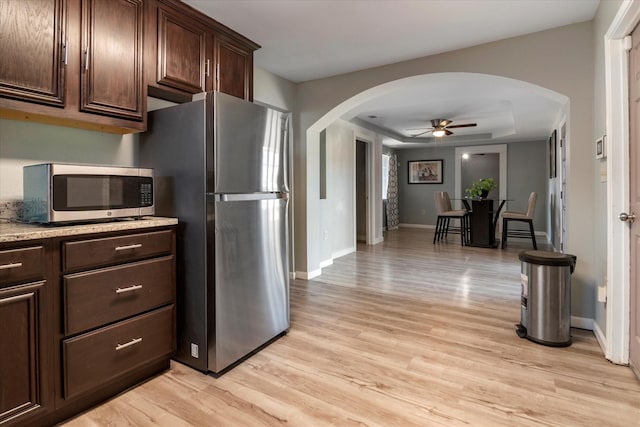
column 405, row 333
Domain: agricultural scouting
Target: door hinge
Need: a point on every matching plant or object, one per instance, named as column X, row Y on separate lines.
column 217, row 72
column 628, row 43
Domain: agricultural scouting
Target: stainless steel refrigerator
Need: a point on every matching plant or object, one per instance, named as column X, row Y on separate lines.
column 220, row 167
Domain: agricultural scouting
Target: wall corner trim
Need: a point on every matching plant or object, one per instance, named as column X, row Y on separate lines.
column 600, row 337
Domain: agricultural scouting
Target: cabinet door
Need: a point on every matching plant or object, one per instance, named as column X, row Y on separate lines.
column 23, row 388
column 32, row 48
column 111, row 78
column 234, row 73
column 182, row 50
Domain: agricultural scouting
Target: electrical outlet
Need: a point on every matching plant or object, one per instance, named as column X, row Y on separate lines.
column 194, row 350
column 326, row 235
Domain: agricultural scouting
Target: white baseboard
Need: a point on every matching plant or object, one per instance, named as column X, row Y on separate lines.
column 582, row 323
column 602, row 340
column 292, row 275
column 308, row 275
column 378, row 240
column 343, row 252
column 326, row 263
column 417, row 226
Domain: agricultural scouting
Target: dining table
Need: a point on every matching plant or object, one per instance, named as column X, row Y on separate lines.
column 484, row 220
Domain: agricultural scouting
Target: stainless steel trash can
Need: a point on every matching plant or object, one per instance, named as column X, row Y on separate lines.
column 545, row 300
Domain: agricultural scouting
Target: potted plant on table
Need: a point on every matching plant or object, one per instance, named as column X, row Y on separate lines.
column 480, row 189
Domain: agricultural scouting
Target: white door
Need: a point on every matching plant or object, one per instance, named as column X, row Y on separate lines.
column 634, row 199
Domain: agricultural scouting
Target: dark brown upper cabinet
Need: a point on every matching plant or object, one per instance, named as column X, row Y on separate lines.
column 234, row 68
column 74, row 63
column 182, row 51
column 33, row 50
column 112, row 74
column 193, row 53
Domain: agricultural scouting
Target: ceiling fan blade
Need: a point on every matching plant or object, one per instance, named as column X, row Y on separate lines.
column 444, row 122
column 421, row 133
column 448, row 132
column 420, row 129
column 468, row 125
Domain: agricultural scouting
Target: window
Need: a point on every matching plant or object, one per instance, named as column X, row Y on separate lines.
column 385, row 175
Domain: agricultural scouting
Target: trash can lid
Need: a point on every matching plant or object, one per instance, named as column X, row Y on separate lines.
column 548, row 258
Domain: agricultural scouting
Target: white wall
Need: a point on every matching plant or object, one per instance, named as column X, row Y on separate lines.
column 560, row 59
column 341, row 160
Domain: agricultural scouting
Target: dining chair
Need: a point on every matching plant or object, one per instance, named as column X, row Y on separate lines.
column 445, row 214
column 527, row 217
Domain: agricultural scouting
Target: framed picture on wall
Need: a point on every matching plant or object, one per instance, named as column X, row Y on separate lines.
column 553, row 147
column 601, row 147
column 425, row 171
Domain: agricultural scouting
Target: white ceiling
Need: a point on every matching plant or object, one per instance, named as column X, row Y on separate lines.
column 309, row 39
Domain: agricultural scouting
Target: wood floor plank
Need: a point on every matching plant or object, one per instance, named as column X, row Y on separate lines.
column 404, row 333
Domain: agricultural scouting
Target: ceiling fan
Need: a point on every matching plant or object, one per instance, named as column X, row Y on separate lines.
column 440, row 127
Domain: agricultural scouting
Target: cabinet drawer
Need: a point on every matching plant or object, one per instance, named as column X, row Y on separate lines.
column 85, row 254
column 103, row 296
column 92, row 359
column 21, row 265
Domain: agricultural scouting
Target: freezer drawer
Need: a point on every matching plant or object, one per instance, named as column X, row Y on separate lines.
column 251, row 286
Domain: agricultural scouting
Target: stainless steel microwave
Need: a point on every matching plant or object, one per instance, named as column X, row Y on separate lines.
column 55, row 192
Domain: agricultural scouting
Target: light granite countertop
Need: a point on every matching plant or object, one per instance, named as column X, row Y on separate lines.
column 15, row 231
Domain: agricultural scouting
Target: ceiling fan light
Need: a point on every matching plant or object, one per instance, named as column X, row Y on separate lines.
column 438, row 133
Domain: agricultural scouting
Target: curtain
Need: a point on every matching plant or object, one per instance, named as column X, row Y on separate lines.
column 393, row 218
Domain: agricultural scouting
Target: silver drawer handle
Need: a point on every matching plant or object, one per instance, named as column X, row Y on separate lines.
column 124, row 248
column 129, row 289
column 8, row 266
column 129, row 344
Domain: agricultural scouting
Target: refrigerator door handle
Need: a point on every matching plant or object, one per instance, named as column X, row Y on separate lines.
column 247, row 197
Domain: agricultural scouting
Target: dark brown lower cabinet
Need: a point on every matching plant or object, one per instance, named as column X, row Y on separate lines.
column 96, row 357
column 25, row 386
column 83, row 318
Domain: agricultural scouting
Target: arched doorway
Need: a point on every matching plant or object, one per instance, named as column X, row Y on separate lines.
column 314, row 228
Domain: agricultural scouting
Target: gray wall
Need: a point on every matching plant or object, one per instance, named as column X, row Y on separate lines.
column 526, row 172
column 415, row 201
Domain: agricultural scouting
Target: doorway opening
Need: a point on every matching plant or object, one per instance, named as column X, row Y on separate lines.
column 362, row 177
column 477, row 166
